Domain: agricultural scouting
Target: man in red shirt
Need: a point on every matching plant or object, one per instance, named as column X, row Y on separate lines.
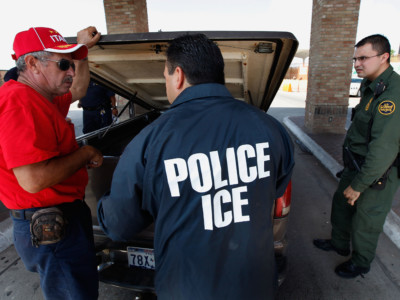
column 42, row 168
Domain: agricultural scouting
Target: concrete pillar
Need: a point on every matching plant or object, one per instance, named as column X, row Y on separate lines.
column 333, row 34
column 126, row 16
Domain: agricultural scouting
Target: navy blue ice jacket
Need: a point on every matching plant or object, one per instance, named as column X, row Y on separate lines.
column 207, row 171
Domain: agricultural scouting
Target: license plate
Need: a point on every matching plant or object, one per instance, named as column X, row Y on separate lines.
column 141, row 257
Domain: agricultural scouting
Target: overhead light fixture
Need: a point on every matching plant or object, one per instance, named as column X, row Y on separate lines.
column 264, row 48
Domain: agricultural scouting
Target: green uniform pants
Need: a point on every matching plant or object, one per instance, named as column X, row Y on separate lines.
column 362, row 223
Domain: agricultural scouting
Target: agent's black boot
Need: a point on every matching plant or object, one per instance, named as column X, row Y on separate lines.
column 326, row 245
column 349, row 270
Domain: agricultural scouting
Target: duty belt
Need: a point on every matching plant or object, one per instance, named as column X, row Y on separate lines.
column 89, row 108
column 352, row 160
column 93, row 108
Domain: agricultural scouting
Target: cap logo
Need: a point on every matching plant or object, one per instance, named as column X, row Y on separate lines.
column 57, row 38
column 386, row 107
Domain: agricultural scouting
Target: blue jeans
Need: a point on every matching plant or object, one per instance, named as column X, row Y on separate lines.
column 67, row 268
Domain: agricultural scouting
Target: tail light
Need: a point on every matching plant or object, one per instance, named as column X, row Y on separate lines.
column 282, row 204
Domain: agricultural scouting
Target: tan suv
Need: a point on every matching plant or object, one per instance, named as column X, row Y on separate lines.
column 132, row 66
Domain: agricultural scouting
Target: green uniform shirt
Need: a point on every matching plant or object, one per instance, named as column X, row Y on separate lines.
column 384, row 144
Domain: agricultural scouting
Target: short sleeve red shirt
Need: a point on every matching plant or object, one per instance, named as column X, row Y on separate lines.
column 33, row 129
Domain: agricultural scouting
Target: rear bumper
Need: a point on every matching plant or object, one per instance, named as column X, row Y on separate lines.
column 136, row 279
column 113, row 267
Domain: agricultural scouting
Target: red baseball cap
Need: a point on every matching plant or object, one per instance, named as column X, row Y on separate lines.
column 45, row 39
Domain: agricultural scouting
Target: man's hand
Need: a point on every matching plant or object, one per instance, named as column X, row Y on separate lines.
column 88, row 36
column 95, row 158
column 351, row 195
column 114, row 112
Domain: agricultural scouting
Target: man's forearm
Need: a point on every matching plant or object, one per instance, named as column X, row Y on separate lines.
column 88, row 36
column 38, row 176
column 81, row 80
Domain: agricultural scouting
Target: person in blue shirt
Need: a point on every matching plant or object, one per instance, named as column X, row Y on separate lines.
column 98, row 107
column 207, row 172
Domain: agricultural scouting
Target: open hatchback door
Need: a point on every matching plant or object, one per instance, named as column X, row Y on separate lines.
column 132, row 66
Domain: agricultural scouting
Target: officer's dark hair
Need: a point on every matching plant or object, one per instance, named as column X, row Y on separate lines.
column 199, row 57
column 379, row 43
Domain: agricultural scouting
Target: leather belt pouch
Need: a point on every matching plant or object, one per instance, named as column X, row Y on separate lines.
column 47, row 226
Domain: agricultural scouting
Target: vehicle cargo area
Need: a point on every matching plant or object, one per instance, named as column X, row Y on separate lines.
column 132, row 65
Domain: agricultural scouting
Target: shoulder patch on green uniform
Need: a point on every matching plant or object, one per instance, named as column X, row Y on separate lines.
column 386, row 107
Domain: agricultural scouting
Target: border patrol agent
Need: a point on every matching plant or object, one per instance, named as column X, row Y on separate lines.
column 370, row 177
column 208, row 171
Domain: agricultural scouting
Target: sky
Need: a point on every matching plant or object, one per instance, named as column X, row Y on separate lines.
column 68, row 17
